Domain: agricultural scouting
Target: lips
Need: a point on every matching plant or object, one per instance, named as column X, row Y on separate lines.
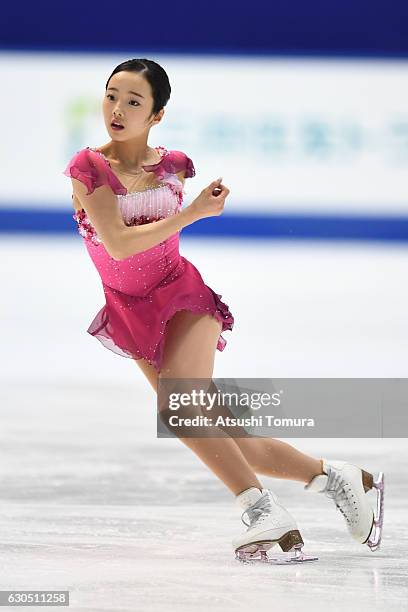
column 116, row 125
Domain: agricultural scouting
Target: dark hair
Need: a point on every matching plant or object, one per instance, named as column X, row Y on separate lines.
column 154, row 74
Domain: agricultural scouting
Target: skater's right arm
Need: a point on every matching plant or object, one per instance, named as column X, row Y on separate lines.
column 122, row 241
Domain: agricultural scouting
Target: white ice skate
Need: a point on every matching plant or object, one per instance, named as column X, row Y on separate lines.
column 347, row 485
column 269, row 524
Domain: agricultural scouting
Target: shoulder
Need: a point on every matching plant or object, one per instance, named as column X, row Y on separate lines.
column 172, row 162
column 182, row 163
column 84, row 156
column 91, row 169
column 86, row 166
column 85, row 161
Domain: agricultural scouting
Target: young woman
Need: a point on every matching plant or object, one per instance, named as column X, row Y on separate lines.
column 128, row 206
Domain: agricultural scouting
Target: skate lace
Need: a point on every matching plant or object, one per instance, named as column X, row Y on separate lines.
column 258, row 511
column 342, row 494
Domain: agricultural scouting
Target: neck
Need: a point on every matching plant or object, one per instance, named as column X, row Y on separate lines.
column 130, row 155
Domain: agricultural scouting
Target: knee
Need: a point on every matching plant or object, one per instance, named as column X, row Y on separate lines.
column 164, row 415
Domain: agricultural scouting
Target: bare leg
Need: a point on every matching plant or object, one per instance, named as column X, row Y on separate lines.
column 269, row 456
column 278, row 459
column 266, row 456
column 189, row 349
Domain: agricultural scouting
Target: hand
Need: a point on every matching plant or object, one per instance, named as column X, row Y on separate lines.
column 210, row 202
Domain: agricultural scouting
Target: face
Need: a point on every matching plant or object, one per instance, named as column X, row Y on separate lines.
column 132, row 110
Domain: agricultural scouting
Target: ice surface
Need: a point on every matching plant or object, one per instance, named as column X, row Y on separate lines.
column 92, row 502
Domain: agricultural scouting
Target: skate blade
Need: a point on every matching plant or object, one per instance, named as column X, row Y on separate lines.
column 374, row 539
column 292, row 556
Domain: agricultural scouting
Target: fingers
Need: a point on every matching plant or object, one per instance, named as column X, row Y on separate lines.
column 221, row 189
column 216, row 188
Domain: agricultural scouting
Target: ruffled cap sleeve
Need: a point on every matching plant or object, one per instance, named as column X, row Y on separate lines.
column 171, row 163
column 92, row 170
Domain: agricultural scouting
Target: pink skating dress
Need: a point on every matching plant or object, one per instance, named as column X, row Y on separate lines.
column 144, row 290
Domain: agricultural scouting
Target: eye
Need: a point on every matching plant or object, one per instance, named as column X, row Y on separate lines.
column 110, row 96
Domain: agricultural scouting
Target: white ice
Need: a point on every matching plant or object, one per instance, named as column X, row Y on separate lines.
column 94, row 503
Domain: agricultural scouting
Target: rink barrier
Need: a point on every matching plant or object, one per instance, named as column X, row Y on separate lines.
column 298, row 227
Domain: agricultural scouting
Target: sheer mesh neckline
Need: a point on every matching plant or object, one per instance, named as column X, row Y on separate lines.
column 158, row 149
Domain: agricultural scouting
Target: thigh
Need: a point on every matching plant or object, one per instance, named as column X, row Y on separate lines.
column 189, row 345
column 188, row 353
column 149, row 371
column 184, row 333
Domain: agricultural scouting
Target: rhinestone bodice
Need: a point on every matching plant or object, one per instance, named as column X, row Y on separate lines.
column 140, row 207
column 137, row 208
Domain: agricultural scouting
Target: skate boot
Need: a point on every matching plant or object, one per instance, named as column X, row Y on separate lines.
column 269, row 524
column 347, row 485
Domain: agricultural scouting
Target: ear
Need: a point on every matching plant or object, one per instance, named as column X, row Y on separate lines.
column 158, row 117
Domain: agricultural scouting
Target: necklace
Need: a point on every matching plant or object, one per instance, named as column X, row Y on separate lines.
column 130, row 173
column 136, row 173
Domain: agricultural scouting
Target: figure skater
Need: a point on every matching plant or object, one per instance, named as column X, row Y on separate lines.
column 128, row 200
